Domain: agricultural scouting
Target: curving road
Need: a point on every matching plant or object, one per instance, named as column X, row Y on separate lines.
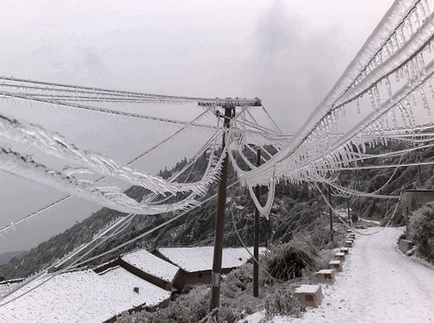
column 379, row 284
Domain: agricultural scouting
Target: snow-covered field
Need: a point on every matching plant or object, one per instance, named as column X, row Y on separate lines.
column 378, row 284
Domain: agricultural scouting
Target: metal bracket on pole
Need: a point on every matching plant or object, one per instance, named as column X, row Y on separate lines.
column 216, row 279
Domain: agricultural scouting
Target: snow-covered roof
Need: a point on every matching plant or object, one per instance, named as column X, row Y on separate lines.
column 6, row 288
column 81, row 296
column 150, row 264
column 201, row 258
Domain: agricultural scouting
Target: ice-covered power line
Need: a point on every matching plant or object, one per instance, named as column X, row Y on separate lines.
column 385, row 95
column 109, row 196
column 49, row 91
column 386, row 91
column 79, row 161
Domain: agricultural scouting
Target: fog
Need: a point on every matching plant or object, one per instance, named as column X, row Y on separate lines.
column 287, row 53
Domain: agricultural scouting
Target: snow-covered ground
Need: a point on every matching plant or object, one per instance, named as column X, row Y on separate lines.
column 378, row 284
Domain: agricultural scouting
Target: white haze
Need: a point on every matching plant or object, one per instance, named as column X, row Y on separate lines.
column 287, row 53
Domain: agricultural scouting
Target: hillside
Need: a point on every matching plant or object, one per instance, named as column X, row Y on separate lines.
column 388, row 181
column 5, row 257
column 297, row 209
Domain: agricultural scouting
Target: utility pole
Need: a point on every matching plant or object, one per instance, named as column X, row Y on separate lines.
column 349, row 211
column 330, row 213
column 220, row 218
column 256, row 242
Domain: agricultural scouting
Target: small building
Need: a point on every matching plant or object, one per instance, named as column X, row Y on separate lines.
column 196, row 263
column 413, row 199
column 150, row 267
column 146, row 266
column 81, row 296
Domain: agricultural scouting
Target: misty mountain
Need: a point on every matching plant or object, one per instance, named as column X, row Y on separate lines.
column 298, row 209
column 5, row 257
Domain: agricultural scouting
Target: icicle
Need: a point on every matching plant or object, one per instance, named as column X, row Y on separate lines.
column 431, row 90
column 417, row 19
column 413, row 67
column 401, row 73
column 386, row 50
column 408, row 26
column 347, row 146
column 410, row 112
column 363, row 146
column 344, row 156
column 400, row 40
column 386, row 121
column 388, row 86
column 393, row 43
column 378, row 60
column 358, row 104
column 421, row 62
column 427, row 5
column 404, row 116
column 397, row 76
column 413, row 97
column 378, row 130
column 423, row 10
column 430, row 46
column 371, row 98
column 424, row 100
column 394, row 119
column 376, row 95
column 357, row 147
column 406, row 72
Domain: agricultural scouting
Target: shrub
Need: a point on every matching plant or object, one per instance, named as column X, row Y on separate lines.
column 289, row 260
column 282, row 303
column 421, row 228
column 188, row 308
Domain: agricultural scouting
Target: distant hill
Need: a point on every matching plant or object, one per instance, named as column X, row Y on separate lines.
column 194, row 228
column 5, row 257
column 297, row 209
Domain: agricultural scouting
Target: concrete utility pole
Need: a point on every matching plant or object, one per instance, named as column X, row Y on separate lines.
column 256, row 242
column 220, row 218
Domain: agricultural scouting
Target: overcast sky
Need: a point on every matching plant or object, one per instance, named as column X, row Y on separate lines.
column 288, row 53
